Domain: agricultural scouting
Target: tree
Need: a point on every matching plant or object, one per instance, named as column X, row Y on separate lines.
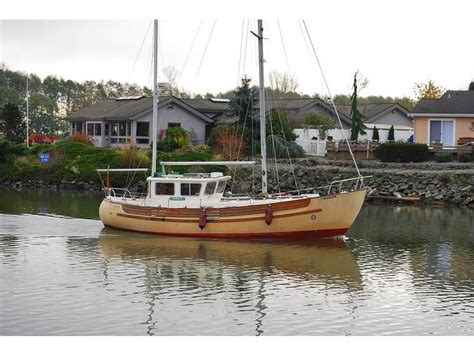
column 282, row 85
column 171, row 73
column 471, row 86
column 375, row 134
column 11, row 123
column 357, row 124
column 244, row 102
column 323, row 123
column 391, row 134
column 428, row 90
column 280, row 125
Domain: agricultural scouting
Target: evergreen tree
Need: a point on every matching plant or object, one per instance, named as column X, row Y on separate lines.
column 375, row 134
column 357, row 124
column 244, row 102
column 11, row 123
column 391, row 134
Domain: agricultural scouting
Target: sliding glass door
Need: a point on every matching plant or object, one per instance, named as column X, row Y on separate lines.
column 441, row 131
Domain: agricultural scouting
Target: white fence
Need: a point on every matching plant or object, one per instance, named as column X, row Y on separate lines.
column 308, row 138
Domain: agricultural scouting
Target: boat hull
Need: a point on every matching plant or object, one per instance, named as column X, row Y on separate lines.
column 311, row 217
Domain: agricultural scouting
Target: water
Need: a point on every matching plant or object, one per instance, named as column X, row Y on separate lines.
column 402, row 270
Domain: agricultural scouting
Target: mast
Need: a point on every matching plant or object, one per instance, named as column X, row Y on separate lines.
column 263, row 135
column 155, row 96
column 27, row 113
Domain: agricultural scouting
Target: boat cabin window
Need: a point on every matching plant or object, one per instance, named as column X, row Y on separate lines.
column 162, row 188
column 221, row 187
column 210, row 188
column 190, row 189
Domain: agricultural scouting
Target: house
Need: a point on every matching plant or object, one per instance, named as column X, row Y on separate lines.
column 124, row 121
column 380, row 114
column 448, row 120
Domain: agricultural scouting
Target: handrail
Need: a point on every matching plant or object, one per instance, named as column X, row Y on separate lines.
column 359, row 183
column 124, row 193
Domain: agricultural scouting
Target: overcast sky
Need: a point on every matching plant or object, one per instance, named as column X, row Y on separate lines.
column 393, row 46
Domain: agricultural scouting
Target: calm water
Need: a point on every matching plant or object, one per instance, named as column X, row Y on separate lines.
column 402, row 271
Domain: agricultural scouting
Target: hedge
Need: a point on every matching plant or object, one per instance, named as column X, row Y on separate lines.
column 402, row 152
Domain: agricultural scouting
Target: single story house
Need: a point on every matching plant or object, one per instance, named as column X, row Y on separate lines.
column 127, row 121
column 448, row 120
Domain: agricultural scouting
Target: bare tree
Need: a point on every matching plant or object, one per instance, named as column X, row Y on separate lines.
column 282, row 83
column 171, row 73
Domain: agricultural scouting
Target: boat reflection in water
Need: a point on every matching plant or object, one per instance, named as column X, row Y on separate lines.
column 329, row 260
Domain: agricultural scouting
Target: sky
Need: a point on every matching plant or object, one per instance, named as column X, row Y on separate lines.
column 393, row 44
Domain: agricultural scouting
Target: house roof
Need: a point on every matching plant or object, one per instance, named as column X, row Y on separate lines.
column 452, row 102
column 372, row 110
column 304, row 104
column 124, row 109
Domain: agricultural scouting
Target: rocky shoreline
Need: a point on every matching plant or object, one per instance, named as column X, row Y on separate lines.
column 448, row 183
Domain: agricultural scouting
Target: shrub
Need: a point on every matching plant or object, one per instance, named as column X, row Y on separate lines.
column 375, row 134
column 134, row 158
column 83, row 167
column 443, row 157
column 178, row 135
column 73, row 149
column 8, row 149
column 402, row 152
column 391, row 134
column 283, row 148
column 188, row 156
column 465, row 157
column 82, row 138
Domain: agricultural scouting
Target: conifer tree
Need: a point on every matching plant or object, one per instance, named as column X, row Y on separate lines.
column 375, row 134
column 357, row 124
column 391, row 134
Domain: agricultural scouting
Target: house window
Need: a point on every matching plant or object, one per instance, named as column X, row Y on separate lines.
column 120, row 132
column 143, row 132
column 94, row 129
column 190, row 189
column 76, row 127
column 220, row 187
column 441, row 131
column 162, row 188
column 174, row 124
column 210, row 187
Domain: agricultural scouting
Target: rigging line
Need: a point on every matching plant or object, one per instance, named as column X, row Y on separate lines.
column 284, row 48
column 240, row 51
column 204, row 53
column 331, row 99
column 190, row 48
column 235, row 125
column 139, row 51
column 286, row 141
column 160, row 49
column 273, row 144
column 286, row 144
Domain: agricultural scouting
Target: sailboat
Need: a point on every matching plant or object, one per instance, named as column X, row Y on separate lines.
column 195, row 205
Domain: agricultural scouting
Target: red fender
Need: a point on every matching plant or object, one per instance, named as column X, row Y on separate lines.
column 268, row 215
column 202, row 219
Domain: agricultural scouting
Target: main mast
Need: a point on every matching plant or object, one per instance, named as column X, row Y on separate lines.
column 155, row 96
column 263, row 135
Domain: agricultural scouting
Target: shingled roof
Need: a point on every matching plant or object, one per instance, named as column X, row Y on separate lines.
column 371, row 110
column 452, row 102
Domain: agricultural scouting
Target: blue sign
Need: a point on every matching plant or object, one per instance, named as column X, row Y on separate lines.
column 44, row 158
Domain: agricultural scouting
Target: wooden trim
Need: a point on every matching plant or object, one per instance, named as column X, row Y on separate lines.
column 215, row 212
column 227, row 220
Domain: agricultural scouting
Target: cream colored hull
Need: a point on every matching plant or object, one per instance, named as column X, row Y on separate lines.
column 320, row 217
